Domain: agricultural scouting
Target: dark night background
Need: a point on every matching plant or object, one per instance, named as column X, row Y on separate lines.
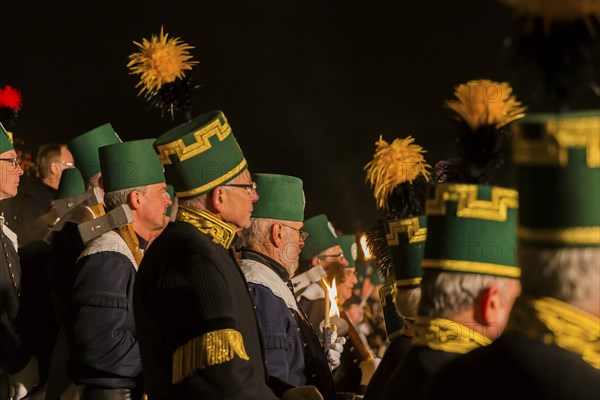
column 308, row 86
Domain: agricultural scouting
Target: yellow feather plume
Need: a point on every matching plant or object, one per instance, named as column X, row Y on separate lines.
column 562, row 11
column 160, row 60
column 485, row 102
column 393, row 164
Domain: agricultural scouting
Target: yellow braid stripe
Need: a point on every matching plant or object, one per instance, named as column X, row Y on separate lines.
column 473, row 267
column 212, row 348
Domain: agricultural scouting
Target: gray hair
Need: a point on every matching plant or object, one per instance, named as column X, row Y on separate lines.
column 197, row 203
column 407, row 301
column 119, row 197
column 445, row 294
column 259, row 232
column 93, row 181
column 567, row 274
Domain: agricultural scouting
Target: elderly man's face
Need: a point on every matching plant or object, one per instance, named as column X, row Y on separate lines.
column 10, row 175
column 238, row 202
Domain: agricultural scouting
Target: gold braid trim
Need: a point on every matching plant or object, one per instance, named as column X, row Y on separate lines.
column 588, row 235
column 220, row 232
column 217, row 128
column 560, row 135
column 468, row 205
column 446, row 335
column 400, row 283
column 212, row 348
column 411, row 227
column 557, row 323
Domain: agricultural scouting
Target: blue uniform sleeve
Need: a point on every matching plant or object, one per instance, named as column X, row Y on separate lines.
column 275, row 327
column 101, row 326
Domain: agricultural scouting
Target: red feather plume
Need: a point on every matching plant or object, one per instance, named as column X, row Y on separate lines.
column 10, row 98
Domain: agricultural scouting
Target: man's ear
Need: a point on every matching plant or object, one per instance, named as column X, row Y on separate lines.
column 101, row 183
column 314, row 261
column 276, row 235
column 134, row 200
column 487, row 305
column 217, row 198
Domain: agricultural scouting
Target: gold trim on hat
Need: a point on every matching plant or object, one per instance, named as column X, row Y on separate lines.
column 408, row 282
column 216, row 182
column 469, row 206
column 559, row 135
column 473, row 267
column 409, row 226
column 569, row 236
column 202, row 136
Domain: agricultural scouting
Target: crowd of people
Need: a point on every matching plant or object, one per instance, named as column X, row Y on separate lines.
column 170, row 271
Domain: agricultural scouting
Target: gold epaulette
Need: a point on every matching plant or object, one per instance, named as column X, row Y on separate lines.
column 212, row 348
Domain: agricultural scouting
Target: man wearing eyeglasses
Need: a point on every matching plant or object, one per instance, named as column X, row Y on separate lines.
column 198, row 332
column 18, row 369
column 273, row 242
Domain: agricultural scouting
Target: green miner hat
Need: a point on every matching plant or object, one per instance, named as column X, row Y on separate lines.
column 200, row 155
column 406, row 241
column 558, row 158
column 130, row 164
column 350, row 249
column 6, row 141
column 280, row 197
column 472, row 228
column 171, row 191
column 85, row 148
column 321, row 236
column 71, row 184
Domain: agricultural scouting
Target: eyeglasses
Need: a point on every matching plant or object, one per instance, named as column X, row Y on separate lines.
column 303, row 235
column 339, row 256
column 13, row 160
column 250, row 187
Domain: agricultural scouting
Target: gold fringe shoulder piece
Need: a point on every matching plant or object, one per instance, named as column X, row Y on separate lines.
column 212, row 348
column 484, row 102
column 160, row 60
column 395, row 163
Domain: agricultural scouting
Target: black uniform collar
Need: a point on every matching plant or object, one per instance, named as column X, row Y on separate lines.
column 142, row 242
column 266, row 260
column 219, row 231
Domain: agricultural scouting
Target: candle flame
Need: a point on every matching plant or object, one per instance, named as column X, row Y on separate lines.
column 365, row 248
column 334, row 311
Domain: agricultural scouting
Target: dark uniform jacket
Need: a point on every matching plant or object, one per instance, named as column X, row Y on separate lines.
column 394, row 355
column 101, row 329
column 408, row 380
column 292, row 350
column 521, row 364
column 34, row 200
column 14, row 352
column 312, row 302
column 189, row 289
column 435, row 343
